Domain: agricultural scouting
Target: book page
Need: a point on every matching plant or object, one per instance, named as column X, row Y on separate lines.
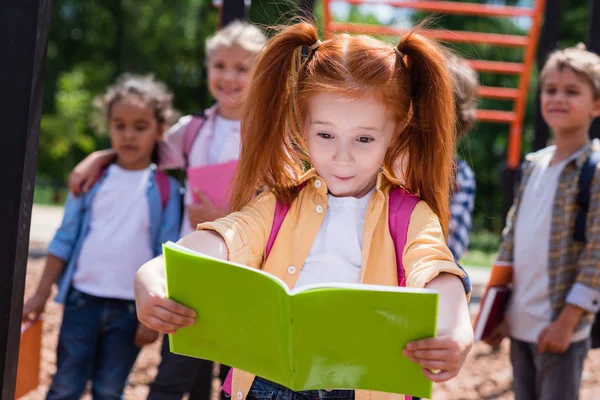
column 242, row 313
column 344, row 338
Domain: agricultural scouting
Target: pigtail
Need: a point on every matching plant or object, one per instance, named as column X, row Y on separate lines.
column 429, row 133
column 269, row 130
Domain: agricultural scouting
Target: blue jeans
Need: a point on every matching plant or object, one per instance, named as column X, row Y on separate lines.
column 96, row 343
column 266, row 390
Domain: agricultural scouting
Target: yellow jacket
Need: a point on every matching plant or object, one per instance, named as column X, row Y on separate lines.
column 246, row 234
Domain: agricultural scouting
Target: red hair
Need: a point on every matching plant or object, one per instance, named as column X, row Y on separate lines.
column 416, row 89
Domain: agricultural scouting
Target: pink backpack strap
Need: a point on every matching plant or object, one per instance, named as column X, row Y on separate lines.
column 401, row 206
column 191, row 133
column 281, row 211
column 164, row 187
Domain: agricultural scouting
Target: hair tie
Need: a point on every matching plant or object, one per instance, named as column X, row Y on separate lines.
column 315, row 45
column 397, row 50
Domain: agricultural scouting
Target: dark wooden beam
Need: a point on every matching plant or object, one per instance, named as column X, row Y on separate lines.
column 24, row 27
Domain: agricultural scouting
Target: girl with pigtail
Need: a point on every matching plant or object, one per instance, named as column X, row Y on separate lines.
column 352, row 109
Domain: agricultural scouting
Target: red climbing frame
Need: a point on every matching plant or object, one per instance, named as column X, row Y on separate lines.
column 528, row 42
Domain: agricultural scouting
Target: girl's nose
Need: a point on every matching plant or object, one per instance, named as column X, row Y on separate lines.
column 343, row 156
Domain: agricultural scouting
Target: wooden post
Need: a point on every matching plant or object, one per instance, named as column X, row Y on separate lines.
column 24, row 27
column 232, row 10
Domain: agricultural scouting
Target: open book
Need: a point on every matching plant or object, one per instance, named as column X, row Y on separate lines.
column 337, row 336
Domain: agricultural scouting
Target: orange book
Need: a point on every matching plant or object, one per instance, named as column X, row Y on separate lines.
column 28, row 370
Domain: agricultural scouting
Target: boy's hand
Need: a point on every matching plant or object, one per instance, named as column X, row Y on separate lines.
column 144, row 335
column 202, row 211
column 441, row 357
column 555, row 338
column 497, row 335
column 154, row 309
column 34, row 307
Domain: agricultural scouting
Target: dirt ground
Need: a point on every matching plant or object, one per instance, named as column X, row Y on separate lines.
column 485, row 375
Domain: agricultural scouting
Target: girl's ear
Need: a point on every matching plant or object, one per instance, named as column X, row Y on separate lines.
column 596, row 109
column 162, row 128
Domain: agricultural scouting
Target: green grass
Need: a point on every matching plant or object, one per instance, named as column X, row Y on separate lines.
column 483, row 248
column 48, row 195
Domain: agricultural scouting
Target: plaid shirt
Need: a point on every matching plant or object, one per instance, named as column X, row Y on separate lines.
column 461, row 210
column 573, row 267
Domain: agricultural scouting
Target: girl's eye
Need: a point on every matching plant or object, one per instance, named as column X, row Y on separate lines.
column 325, row 135
column 219, row 65
column 141, row 128
column 119, row 127
column 572, row 92
column 550, row 90
column 365, row 139
column 242, row 69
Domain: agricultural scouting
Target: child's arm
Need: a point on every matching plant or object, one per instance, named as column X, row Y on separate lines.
column 86, row 172
column 240, row 237
column 36, row 303
column 60, row 250
column 443, row 356
column 154, row 309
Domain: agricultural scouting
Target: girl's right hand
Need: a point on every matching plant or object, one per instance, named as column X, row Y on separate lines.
column 33, row 308
column 154, row 309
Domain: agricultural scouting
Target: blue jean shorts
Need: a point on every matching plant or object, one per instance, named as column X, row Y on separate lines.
column 263, row 389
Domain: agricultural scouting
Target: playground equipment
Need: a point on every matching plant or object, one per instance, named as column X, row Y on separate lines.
column 522, row 70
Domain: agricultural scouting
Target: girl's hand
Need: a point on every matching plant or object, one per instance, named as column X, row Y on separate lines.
column 154, row 309
column 85, row 173
column 441, row 357
column 202, row 211
column 144, row 336
column 34, row 307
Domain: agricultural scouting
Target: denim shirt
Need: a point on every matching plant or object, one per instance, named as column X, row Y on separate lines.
column 68, row 240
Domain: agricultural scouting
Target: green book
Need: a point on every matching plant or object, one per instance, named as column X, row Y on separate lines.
column 334, row 336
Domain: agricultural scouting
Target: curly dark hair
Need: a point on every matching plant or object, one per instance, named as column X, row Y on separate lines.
column 151, row 91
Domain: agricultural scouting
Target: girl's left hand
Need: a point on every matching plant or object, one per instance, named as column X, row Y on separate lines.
column 441, row 357
column 203, row 210
column 144, row 335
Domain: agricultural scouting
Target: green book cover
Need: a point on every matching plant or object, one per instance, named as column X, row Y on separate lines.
column 335, row 336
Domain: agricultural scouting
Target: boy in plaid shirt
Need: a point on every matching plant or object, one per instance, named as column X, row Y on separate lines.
column 556, row 279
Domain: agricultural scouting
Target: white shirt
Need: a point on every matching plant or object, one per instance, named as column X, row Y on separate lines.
column 530, row 310
column 118, row 241
column 223, row 146
column 336, row 254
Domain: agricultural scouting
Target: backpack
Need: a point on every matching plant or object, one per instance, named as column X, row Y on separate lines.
column 586, row 175
column 162, row 182
column 401, row 206
column 191, row 132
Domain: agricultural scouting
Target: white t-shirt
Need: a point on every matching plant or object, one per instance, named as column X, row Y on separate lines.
column 530, row 310
column 118, row 242
column 223, row 146
column 336, row 254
